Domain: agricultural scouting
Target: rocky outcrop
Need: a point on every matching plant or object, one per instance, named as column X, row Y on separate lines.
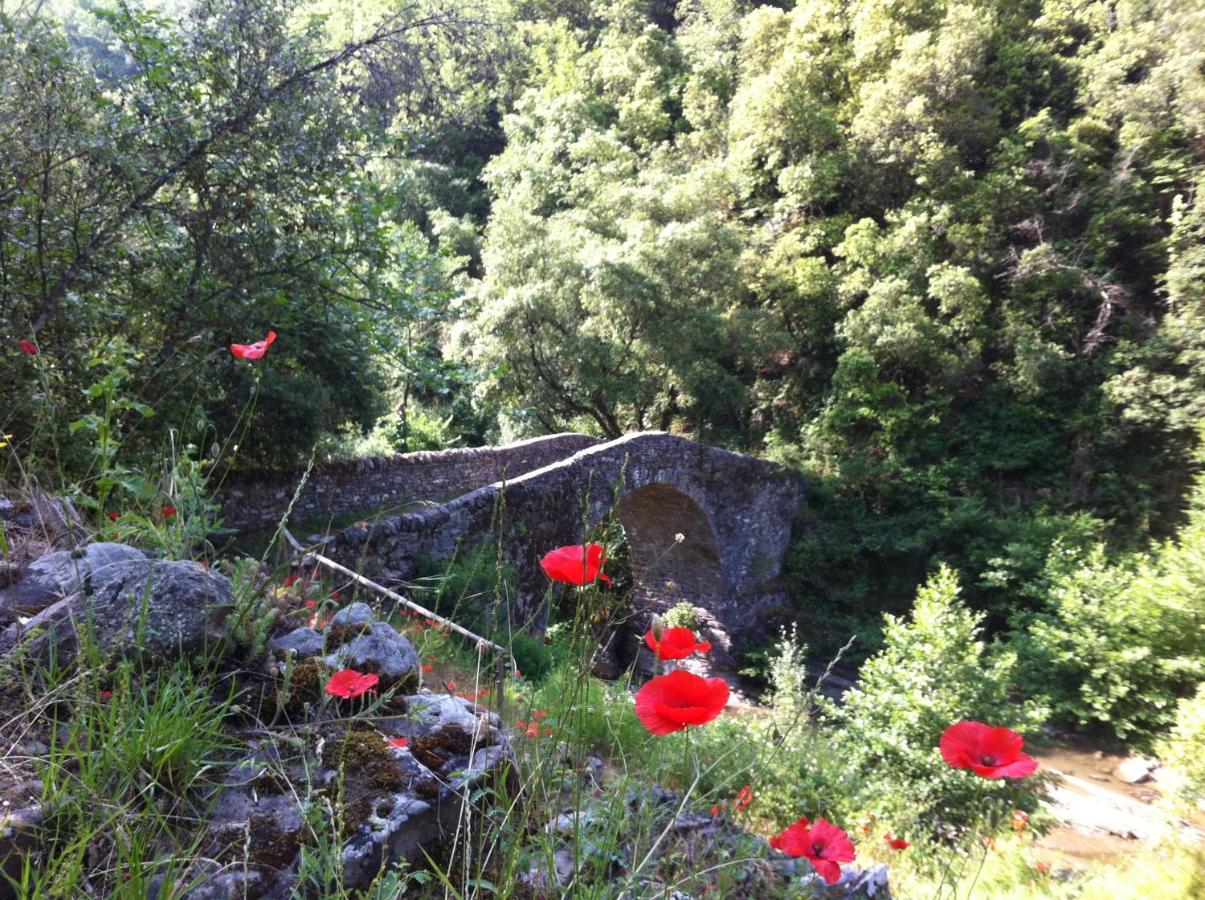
column 128, row 605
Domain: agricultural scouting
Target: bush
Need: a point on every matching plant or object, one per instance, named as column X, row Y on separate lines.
column 1183, row 751
column 933, row 671
column 1120, row 642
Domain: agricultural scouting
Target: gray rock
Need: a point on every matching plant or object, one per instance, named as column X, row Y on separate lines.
column 383, row 651
column 355, row 614
column 145, row 609
column 51, row 578
column 301, row 641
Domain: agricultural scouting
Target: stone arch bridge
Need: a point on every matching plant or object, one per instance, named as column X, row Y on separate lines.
column 734, row 513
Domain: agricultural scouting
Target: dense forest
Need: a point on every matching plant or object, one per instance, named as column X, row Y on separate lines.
column 946, row 258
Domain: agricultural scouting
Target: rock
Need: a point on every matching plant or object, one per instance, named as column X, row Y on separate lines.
column 853, row 882
column 301, row 641
column 394, row 804
column 383, row 651
column 144, row 608
column 57, row 575
column 354, row 614
column 1134, row 770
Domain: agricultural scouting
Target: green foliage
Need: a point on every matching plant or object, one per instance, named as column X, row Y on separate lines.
column 1183, row 751
column 935, row 669
column 1120, row 642
column 681, row 615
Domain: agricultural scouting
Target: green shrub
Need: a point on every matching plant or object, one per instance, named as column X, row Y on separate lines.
column 681, row 615
column 934, row 670
column 1120, row 642
column 532, row 657
column 1183, row 751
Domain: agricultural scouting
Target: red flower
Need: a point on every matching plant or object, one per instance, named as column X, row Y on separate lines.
column 575, row 564
column 715, row 810
column 987, row 751
column 114, row 516
column 104, row 695
column 253, row 351
column 348, row 683
column 669, row 703
column 29, row 348
column 824, row 844
column 290, row 580
column 676, row 643
column 398, row 742
column 427, row 668
column 896, row 843
column 744, row 797
column 168, row 512
column 452, row 686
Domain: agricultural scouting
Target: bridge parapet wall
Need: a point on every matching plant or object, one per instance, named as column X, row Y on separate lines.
column 339, row 488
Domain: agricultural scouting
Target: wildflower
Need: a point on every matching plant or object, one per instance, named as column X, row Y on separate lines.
column 1020, row 820
column 669, row 703
column 989, row 842
column 547, row 731
column 823, row 844
column 290, row 580
column 348, row 683
column 168, row 512
column 29, row 348
column 744, row 797
column 336, row 596
column 533, row 730
column 896, row 843
column 114, row 516
column 715, row 810
column 679, row 538
column 576, row 564
column 989, row 752
column 518, row 674
column 676, row 643
column 398, row 742
column 104, row 695
column 452, row 686
column 1043, row 868
column 310, row 604
column 427, row 668
column 253, row 351
column 541, row 713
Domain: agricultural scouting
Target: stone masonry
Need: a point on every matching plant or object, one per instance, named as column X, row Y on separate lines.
column 381, row 482
column 734, row 513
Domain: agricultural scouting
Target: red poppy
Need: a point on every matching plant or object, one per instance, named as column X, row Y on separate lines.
column 253, row 351
column 398, row 742
column 989, row 752
column 896, row 843
column 168, row 512
column 823, row 843
column 104, row 695
column 348, row 683
column 290, row 580
column 669, row 703
column 575, row 564
column 676, row 643
column 114, row 516
column 533, row 730
column 518, row 674
column 427, row 668
column 29, row 348
column 744, row 797
column 452, row 686
column 715, row 810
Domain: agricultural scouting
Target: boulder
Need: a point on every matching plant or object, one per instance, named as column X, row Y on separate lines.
column 141, row 608
column 57, row 575
column 301, row 641
column 380, row 650
column 1134, row 770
